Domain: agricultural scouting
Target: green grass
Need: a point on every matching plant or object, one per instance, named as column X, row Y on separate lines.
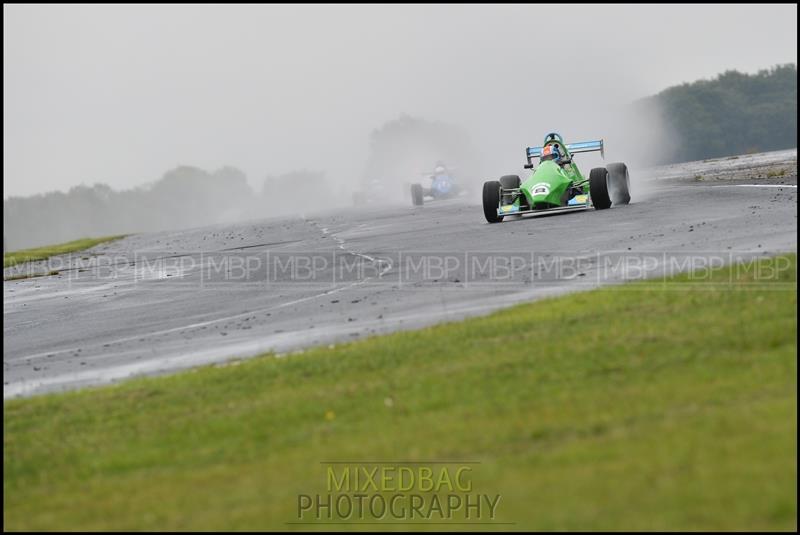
column 43, row 253
column 21, row 276
column 648, row 406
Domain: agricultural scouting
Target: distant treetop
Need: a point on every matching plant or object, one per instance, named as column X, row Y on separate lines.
column 734, row 113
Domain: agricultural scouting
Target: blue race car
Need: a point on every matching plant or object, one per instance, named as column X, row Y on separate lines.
column 443, row 186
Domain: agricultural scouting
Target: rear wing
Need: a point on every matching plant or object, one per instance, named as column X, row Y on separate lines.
column 572, row 148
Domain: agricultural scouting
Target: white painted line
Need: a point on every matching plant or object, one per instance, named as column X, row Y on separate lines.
column 756, row 186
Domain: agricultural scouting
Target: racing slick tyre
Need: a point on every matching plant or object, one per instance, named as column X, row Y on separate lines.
column 598, row 188
column 619, row 183
column 510, row 181
column 491, row 201
column 416, row 194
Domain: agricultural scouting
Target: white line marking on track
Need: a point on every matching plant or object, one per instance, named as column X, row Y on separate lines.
column 756, row 186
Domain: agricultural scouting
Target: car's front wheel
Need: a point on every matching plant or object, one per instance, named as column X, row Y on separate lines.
column 491, row 201
column 598, row 188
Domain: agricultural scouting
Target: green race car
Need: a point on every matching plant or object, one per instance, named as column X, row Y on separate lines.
column 556, row 184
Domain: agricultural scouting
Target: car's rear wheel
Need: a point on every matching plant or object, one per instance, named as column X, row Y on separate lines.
column 619, row 183
column 510, row 181
column 416, row 194
column 598, row 188
column 491, row 201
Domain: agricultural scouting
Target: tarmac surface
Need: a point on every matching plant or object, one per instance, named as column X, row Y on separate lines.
column 159, row 302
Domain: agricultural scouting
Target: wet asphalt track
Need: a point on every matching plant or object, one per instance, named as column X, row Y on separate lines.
column 159, row 302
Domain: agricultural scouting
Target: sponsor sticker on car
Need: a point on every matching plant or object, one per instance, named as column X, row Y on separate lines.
column 542, row 188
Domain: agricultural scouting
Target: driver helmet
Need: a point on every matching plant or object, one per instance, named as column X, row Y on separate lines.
column 551, row 152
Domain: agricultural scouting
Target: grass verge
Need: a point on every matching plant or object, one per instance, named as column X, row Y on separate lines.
column 31, row 275
column 43, row 253
column 652, row 406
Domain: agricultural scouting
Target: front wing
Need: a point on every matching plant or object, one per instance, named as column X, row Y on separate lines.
column 579, row 202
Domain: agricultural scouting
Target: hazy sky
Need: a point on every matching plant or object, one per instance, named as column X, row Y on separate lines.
column 120, row 94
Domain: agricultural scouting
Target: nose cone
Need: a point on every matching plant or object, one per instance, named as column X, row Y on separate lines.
column 546, row 185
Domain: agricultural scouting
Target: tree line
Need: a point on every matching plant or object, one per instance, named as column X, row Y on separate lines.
column 183, row 197
column 734, row 113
